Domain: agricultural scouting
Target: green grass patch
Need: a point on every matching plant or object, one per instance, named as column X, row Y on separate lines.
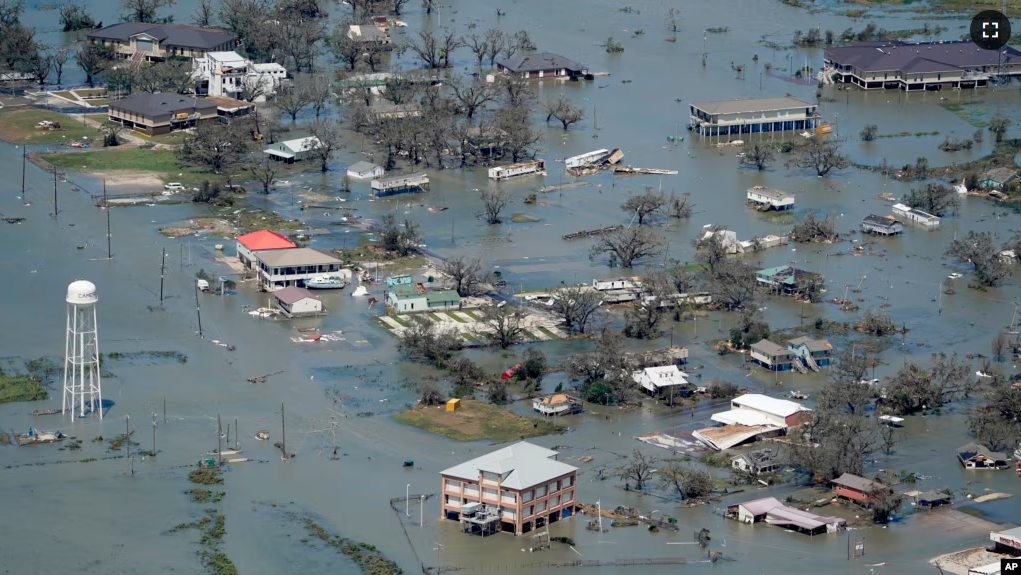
column 528, row 336
column 66, row 94
column 402, row 322
column 18, row 126
column 469, row 337
column 90, row 92
column 476, row 420
column 171, row 139
column 547, row 332
column 475, row 316
column 98, row 102
column 161, row 163
column 971, row 112
column 383, row 324
column 20, row 387
column 434, row 317
column 368, row 558
column 454, row 317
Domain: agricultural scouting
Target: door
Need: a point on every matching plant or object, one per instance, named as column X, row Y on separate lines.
column 143, row 45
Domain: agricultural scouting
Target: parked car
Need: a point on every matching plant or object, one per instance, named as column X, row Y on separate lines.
column 173, row 186
column 869, row 382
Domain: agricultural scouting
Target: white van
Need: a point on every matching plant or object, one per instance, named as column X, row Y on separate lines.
column 173, row 186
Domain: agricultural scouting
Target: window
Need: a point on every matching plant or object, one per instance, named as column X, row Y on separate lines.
column 554, row 501
column 530, row 511
column 452, row 499
column 452, row 485
column 527, row 496
column 568, row 481
column 506, row 497
column 568, row 496
column 489, row 493
column 556, row 486
column 540, row 491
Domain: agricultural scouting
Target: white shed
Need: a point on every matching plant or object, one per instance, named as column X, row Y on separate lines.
column 654, row 379
column 365, row 170
column 295, row 301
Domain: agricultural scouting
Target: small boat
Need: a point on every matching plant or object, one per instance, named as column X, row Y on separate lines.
column 226, row 452
column 798, row 395
column 219, row 247
column 892, row 420
column 262, row 435
column 326, row 282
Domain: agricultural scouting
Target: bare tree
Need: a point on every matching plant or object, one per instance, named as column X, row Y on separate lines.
column 144, row 10
column 638, row 470
column 74, row 16
column 494, row 200
column 575, row 305
column 732, row 284
column 472, row 94
column 998, row 126
column 319, row 93
column 39, row 64
column 435, row 51
column 935, row 199
column 997, row 423
column 672, row 19
column 689, row 483
column 563, row 110
column 869, row 133
column 399, row 90
column 1001, row 343
column 679, row 207
column 265, row 172
column 521, row 138
column 328, row 139
column 92, row 59
column 496, row 42
column 753, row 154
column 398, row 5
column 479, row 45
column 643, row 316
column 710, row 248
column 430, row 394
column 429, row 6
column 625, row 247
column 978, row 249
column 465, row 272
column 204, row 13
column 220, row 149
column 502, row 326
column 517, row 91
column 644, row 205
column 812, row 229
column 292, row 99
column 396, row 237
column 344, row 48
column 422, row 341
column 819, row 155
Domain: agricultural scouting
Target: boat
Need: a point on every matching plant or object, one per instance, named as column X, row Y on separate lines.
column 226, row 452
column 798, row 395
column 219, row 247
column 892, row 420
column 326, row 282
column 262, row 435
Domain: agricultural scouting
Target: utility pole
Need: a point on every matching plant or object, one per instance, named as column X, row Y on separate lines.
column 106, row 203
column 154, row 434
column 198, row 310
column 24, row 158
column 219, row 440
column 237, row 436
column 283, row 433
column 54, row 191
column 164, row 409
column 163, row 266
column 127, row 436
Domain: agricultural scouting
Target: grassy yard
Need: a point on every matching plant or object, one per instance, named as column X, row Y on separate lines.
column 91, row 92
column 67, row 95
column 98, row 102
column 171, row 139
column 162, row 163
column 402, row 322
column 476, row 420
column 20, row 387
column 454, row 317
column 434, row 317
column 475, row 316
column 547, row 332
column 17, row 126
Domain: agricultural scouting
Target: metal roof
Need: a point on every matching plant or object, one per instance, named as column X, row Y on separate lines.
column 811, row 344
column 522, row 466
column 770, row 405
column 538, row 61
column 919, row 58
column 760, row 506
column 769, row 348
column 295, row 257
column 772, row 193
column 966, row 452
column 999, row 175
column 857, row 483
column 160, row 104
column 752, row 105
column 885, row 221
column 442, row 296
column 293, row 294
column 265, row 240
column 784, row 515
column 179, row 35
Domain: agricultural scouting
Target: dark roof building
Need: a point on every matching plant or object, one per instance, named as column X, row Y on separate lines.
column 541, row 65
column 140, row 42
column 882, row 225
column 160, row 113
column 912, row 66
column 977, row 456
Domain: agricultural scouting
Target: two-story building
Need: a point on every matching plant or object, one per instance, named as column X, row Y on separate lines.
column 656, row 380
column 813, row 352
column 250, row 243
column 142, row 42
column 913, row 66
column 292, row 267
column 857, row 489
column 753, row 116
column 788, row 280
column 764, row 199
column 882, row 225
column 517, row 489
column 231, row 75
column 155, row 114
column 771, row 356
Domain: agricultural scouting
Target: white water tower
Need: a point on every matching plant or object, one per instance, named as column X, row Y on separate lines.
column 81, row 352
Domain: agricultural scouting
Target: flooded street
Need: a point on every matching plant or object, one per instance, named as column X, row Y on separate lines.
column 98, row 517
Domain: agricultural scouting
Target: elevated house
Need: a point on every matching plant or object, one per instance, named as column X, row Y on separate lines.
column 384, row 110
column 656, row 380
column 231, row 75
column 812, row 352
column 365, row 171
column 293, row 267
column 142, row 42
column 519, row 169
column 296, row 150
column 977, row 456
column 400, row 184
column 997, row 178
column 764, row 199
column 913, row 66
column 541, row 65
column 771, row 356
column 915, row 215
column 557, row 404
column 156, row 114
column 788, row 280
column 881, row 225
column 856, row 488
column 249, row 244
column 405, row 298
column 229, row 108
column 516, row 489
column 752, row 416
column 774, row 512
column 760, row 461
column 725, row 118
column 295, row 301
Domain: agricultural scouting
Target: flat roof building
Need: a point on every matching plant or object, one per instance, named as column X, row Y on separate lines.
column 752, row 116
column 289, row 267
column 161, row 113
column 517, row 489
column 914, row 66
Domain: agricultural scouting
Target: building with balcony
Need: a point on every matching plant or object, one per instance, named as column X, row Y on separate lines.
column 142, row 42
column 293, row 266
column 517, row 489
column 753, row 116
column 155, row 114
column 915, row 67
column 250, row 243
column 231, row 75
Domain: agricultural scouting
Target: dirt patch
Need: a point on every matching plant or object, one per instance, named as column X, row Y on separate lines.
column 960, row 562
column 177, row 231
column 523, row 219
column 130, row 178
column 475, row 420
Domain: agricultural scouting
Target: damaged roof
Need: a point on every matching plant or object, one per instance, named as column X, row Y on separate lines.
column 999, row 175
column 972, row 450
column 857, row 483
column 885, row 221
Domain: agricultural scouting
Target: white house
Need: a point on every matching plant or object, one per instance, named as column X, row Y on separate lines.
column 615, row 283
column 229, row 74
column 295, row 302
column 656, row 379
column 294, row 266
column 291, row 151
column 770, row 199
column 918, row 216
column 365, row 171
column 752, row 415
column 727, row 238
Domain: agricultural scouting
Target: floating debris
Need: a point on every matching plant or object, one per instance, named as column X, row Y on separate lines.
column 592, row 233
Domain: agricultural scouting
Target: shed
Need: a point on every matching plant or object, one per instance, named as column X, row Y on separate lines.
column 296, row 301
column 931, row 499
column 882, row 225
column 453, row 404
column 365, row 170
column 293, row 150
column 997, row 178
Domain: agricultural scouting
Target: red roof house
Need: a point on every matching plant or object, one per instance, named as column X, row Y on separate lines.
column 258, row 241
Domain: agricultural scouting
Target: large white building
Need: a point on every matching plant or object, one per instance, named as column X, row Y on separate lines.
column 752, row 415
column 228, row 74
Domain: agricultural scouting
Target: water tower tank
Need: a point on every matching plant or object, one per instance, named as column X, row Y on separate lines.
column 81, row 292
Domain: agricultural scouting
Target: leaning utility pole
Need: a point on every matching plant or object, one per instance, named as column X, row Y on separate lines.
column 198, row 310
column 219, row 440
column 163, row 266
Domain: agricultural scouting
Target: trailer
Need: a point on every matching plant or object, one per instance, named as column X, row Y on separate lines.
column 519, row 169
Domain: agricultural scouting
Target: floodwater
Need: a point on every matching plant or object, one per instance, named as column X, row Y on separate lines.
column 99, row 518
